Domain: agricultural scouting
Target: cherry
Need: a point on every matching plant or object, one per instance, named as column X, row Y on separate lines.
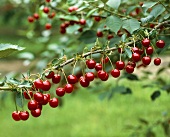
column 15, row 116
column 149, row 50
column 82, row 21
column 160, row 43
column 24, row 115
column 152, row 25
column 157, row 61
column 129, row 69
column 135, row 50
column 146, row 42
column 141, row 4
column 38, row 96
column 31, row 19
column 146, row 60
column 71, row 9
column 45, row 100
column 84, row 82
column 136, row 57
column 120, row 65
column 115, row 73
column 89, row 76
column 28, row 94
column 53, row 102
column 105, row 78
column 138, row 10
column 60, row 92
column 36, row 112
column 98, row 66
column 46, row 85
column 72, row 79
column 48, row 96
column 91, row 64
column 97, row 18
column 48, row 26
column 68, row 88
column 106, row 60
column 46, row 10
column 101, row 74
column 50, row 75
column 56, row 78
column 62, row 31
column 36, row 16
column 110, row 36
column 99, row 34
column 32, row 105
column 52, row 15
column 48, row 0
column 80, row 29
column 141, row 51
column 38, row 83
column 39, row 105
column 133, row 64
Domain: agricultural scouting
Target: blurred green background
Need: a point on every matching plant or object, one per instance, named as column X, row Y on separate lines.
column 85, row 113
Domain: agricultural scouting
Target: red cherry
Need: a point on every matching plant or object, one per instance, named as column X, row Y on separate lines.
column 56, row 78
column 102, row 75
column 39, row 105
column 52, row 15
column 38, row 96
column 36, row 16
column 48, row 26
column 146, row 60
column 48, row 96
column 149, row 50
column 91, row 64
column 135, row 50
column 136, row 57
column 32, row 105
column 138, row 10
column 63, row 26
column 24, row 115
column 62, row 31
column 46, row 85
column 38, row 83
column 80, row 29
column 106, row 60
column 46, row 10
column 15, row 116
column 60, row 92
column 120, row 65
column 97, row 18
column 115, row 73
column 36, row 112
column 141, row 51
column 152, row 25
column 82, row 21
column 98, row 66
column 71, row 9
column 48, row 0
column 110, row 36
column 53, row 102
column 45, row 100
column 68, row 88
column 50, row 75
column 30, row 19
column 129, row 69
column 160, row 43
column 133, row 64
column 146, row 42
column 84, row 82
column 106, row 77
column 157, row 61
column 89, row 76
column 99, row 34
column 72, row 79
column 28, row 94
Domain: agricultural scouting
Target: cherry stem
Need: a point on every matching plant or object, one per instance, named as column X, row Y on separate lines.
column 64, row 75
column 110, row 62
column 74, row 66
column 15, row 103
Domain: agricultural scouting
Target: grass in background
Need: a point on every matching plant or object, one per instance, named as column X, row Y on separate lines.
column 84, row 115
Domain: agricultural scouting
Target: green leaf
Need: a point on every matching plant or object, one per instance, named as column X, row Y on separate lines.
column 91, row 12
column 147, row 19
column 19, row 99
column 128, row 52
column 131, row 25
column 26, row 55
column 155, row 95
column 104, row 1
column 69, row 17
column 114, row 23
column 114, row 3
column 123, row 37
column 88, row 36
column 157, row 10
column 72, row 29
column 7, row 49
column 26, row 84
column 148, row 5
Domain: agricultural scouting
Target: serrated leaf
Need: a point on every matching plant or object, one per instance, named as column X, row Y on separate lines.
column 19, row 99
column 7, row 49
column 88, row 36
column 114, row 3
column 147, row 5
column 157, row 10
column 128, row 52
column 72, row 29
column 114, row 23
column 147, row 19
column 131, row 25
column 69, row 17
column 155, row 95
